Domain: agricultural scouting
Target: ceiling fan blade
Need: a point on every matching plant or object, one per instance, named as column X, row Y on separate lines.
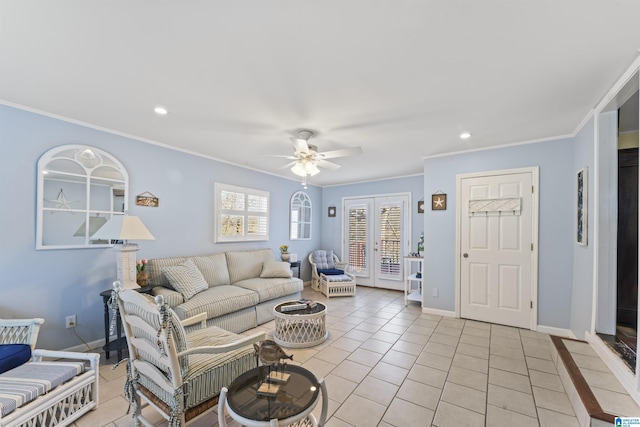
column 282, row 156
column 340, row 153
column 328, row 165
column 288, row 165
column 300, row 145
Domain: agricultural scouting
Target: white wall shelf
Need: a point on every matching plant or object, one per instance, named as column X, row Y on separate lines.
column 412, row 283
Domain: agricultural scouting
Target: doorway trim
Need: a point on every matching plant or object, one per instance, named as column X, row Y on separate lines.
column 605, row 230
column 535, row 175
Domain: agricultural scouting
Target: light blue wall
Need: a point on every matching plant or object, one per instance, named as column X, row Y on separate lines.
column 556, row 221
column 582, row 292
column 332, row 196
column 56, row 283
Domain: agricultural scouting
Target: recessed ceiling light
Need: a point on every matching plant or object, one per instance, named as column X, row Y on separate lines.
column 160, row 110
column 465, row 135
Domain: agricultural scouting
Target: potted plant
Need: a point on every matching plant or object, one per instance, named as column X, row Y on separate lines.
column 142, row 275
column 284, row 252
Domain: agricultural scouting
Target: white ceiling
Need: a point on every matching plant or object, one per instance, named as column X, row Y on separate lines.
column 400, row 78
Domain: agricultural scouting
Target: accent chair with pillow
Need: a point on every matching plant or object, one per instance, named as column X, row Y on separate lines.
column 328, row 274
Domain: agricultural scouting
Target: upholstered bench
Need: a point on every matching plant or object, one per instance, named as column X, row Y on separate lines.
column 23, row 384
column 49, row 393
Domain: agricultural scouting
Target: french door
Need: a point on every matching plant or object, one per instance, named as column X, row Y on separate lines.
column 376, row 239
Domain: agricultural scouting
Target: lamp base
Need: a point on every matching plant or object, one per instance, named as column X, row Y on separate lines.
column 126, row 265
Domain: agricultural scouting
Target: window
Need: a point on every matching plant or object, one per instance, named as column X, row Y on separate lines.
column 242, row 214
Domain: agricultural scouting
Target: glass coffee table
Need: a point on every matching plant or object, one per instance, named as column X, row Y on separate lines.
column 300, row 328
column 293, row 401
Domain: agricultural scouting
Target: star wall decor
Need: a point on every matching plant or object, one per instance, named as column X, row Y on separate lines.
column 61, row 201
column 439, row 202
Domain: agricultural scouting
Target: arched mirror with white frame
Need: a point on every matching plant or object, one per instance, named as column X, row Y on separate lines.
column 79, row 189
column 300, row 219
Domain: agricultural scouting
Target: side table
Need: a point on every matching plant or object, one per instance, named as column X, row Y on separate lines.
column 293, row 402
column 120, row 341
column 296, row 265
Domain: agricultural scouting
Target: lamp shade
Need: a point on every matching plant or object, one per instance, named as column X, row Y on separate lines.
column 123, row 227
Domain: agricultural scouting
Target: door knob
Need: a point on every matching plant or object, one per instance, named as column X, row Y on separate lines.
column 465, row 255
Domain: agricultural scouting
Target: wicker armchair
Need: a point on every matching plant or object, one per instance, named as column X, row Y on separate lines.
column 335, row 283
column 179, row 372
column 20, row 331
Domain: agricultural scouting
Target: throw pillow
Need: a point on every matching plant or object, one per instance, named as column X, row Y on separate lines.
column 186, row 278
column 276, row 269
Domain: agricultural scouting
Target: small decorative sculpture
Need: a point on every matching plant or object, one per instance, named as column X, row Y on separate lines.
column 272, row 356
column 270, row 353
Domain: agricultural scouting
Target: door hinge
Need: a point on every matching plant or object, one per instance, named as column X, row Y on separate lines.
column 530, row 304
column 532, row 191
column 531, row 247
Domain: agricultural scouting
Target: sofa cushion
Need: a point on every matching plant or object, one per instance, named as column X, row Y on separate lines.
column 171, row 297
column 13, row 355
column 186, row 278
column 323, row 259
column 217, row 301
column 272, row 269
column 247, row 264
column 213, row 269
column 268, row 289
column 154, row 266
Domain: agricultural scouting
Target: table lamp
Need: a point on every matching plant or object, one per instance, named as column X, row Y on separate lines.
column 123, row 228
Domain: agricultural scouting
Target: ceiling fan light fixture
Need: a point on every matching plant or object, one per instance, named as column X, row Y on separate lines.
column 310, row 168
column 305, row 167
column 298, row 169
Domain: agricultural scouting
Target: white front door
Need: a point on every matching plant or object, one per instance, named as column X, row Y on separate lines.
column 376, row 239
column 497, row 260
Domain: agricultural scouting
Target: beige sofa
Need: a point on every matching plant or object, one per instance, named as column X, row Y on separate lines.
column 239, row 291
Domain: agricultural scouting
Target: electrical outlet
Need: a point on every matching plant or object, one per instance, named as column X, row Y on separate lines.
column 434, row 292
column 71, row 321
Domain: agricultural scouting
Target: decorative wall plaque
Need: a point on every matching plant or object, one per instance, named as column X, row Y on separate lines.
column 439, row 202
column 147, row 199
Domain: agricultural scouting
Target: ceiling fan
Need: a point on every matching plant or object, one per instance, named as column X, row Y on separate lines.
column 307, row 159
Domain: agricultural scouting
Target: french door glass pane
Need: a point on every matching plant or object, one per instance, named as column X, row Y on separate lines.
column 358, row 240
column 390, row 223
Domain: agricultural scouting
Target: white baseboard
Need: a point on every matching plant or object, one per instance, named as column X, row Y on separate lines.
column 560, row 332
column 96, row 347
column 437, row 312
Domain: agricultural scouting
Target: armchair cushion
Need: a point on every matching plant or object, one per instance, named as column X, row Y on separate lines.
column 13, row 355
column 330, row 271
column 323, row 259
column 186, row 279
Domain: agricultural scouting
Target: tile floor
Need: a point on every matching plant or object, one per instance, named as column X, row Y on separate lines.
column 390, row 365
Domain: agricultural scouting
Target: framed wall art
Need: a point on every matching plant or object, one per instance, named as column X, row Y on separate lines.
column 439, row 202
column 582, row 193
column 147, row 199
